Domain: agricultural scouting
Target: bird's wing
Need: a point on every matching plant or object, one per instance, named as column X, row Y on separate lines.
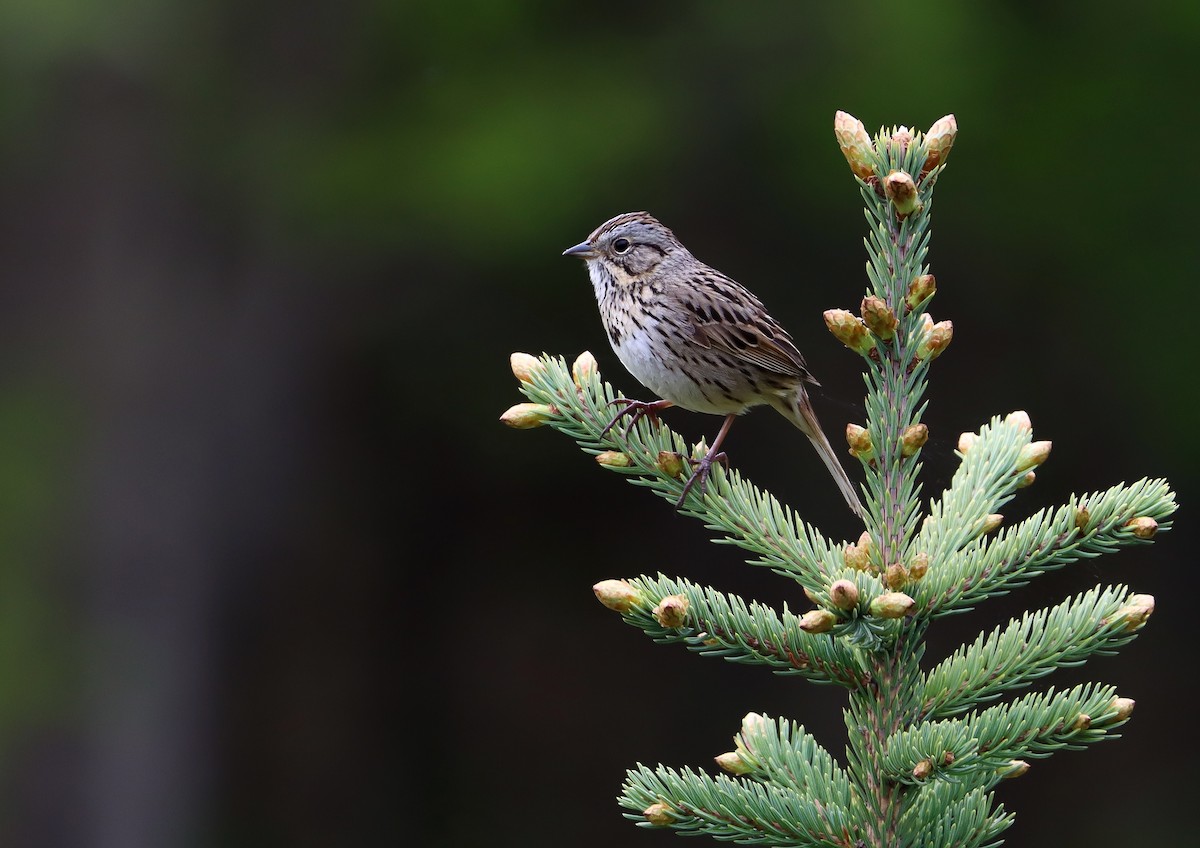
column 724, row 316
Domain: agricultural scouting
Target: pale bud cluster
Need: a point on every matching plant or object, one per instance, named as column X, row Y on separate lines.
column 920, row 290
column 526, row 416
column 1123, row 707
column 843, row 594
column 896, row 576
column 1030, row 456
column 584, row 368
column 614, row 459
column 859, row 149
column 938, row 140
column 856, row 144
column 879, row 318
column 817, row 621
column 1144, row 527
column 1136, row 611
column 671, row 611
column 859, row 440
column 913, row 439
column 933, row 338
column 658, row 815
column 732, row 762
column 525, row 366
column 892, row 605
column 857, row 555
column 1015, row 768
column 849, row 330
column 900, row 188
column 669, row 463
column 617, row 595
column 741, row 760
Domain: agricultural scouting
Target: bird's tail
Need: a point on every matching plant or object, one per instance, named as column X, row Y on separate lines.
column 797, row 409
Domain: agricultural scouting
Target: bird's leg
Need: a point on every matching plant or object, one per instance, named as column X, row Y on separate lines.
column 635, row 409
column 715, row 454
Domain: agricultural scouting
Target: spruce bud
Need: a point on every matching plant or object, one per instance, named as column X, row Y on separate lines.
column 856, row 145
column 920, row 289
column 901, row 138
column 1033, row 455
column 584, row 368
column 526, row 416
column 733, row 763
column 900, row 189
column 936, row 341
column 1123, row 708
column 658, row 815
column 848, row 330
column 938, row 140
column 913, row 439
column 1020, row 420
column 614, row 459
column 817, row 621
column 671, row 611
column 617, row 595
column 843, row 594
column 524, row 366
column 857, row 557
column 859, row 440
column 1135, row 611
column 896, row 576
column 922, row 769
column 1026, row 481
column 669, row 463
column 1082, row 722
column 1015, row 768
column 919, row 566
column 991, row 522
column 1082, row 518
column 892, row 605
column 965, row 441
column 753, row 724
column 1144, row 527
column 879, row 318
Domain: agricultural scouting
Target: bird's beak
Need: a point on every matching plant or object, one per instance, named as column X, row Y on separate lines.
column 582, row 250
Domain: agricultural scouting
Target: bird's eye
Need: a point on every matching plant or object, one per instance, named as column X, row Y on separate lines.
column 621, row 245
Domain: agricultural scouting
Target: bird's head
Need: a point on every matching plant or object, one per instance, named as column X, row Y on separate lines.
column 629, row 246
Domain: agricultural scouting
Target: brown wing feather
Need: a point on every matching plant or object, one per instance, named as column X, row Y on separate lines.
column 726, row 317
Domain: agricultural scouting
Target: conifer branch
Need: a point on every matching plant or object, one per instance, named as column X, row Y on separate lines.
column 781, row 752
column 1095, row 622
column 1036, row 725
column 951, row 814
column 652, row 455
column 985, row 480
column 1087, row 526
column 720, row 625
column 747, row 811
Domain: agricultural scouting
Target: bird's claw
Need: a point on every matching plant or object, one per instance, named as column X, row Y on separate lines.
column 636, row 410
column 700, row 475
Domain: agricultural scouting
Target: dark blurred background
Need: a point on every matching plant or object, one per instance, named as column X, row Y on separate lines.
column 272, row 573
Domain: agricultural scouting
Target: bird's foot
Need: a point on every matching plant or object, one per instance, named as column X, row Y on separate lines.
column 636, row 410
column 700, row 475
